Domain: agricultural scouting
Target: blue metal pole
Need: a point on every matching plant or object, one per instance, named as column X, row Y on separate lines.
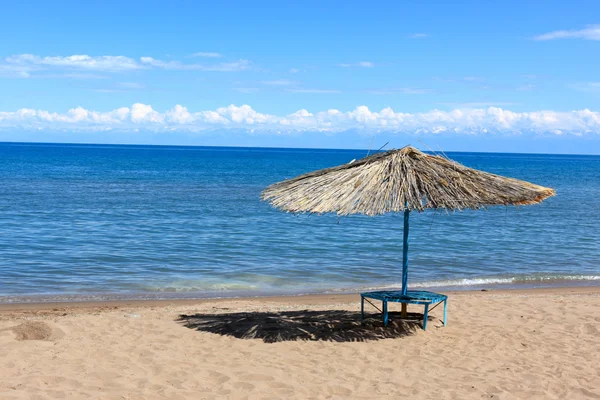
column 362, row 308
column 405, row 254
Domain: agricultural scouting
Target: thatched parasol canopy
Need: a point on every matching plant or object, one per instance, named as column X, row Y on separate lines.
column 399, row 180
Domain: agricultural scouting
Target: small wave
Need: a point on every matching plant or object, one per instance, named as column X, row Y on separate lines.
column 183, row 287
column 491, row 281
column 262, row 285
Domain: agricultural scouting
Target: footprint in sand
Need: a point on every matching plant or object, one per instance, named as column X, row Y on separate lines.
column 256, row 377
column 242, row 385
column 338, row 390
column 217, row 377
column 36, row 330
column 590, row 329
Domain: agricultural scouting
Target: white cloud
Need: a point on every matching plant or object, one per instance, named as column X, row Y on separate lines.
column 457, row 121
column 108, row 90
column 591, row 32
column 120, row 87
column 143, row 113
column 280, row 82
column 179, row 115
column 473, row 79
column 207, row 54
column 78, row 61
column 245, row 115
column 589, row 87
column 294, row 70
column 149, row 61
column 24, row 65
column 400, row 90
column 361, row 64
column 239, row 65
column 130, row 85
column 418, row 35
column 247, row 90
column 74, row 75
column 325, row 91
column 16, row 71
column 479, row 104
column 526, row 88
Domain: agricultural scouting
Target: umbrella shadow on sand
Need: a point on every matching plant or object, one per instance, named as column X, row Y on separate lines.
column 329, row 325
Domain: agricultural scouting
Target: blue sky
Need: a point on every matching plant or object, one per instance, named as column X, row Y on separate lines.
column 508, row 76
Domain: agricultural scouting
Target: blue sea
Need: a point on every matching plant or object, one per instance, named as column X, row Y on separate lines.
column 94, row 222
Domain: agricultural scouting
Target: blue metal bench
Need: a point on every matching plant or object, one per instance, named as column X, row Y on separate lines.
column 404, row 296
column 408, row 297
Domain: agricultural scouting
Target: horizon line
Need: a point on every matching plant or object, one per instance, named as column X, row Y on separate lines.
column 285, row 148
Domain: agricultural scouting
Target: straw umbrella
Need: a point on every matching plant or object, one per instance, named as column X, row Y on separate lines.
column 396, row 181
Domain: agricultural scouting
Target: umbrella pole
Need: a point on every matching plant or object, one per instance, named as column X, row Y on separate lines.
column 405, row 260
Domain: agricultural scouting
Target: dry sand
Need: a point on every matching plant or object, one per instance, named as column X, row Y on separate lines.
column 537, row 344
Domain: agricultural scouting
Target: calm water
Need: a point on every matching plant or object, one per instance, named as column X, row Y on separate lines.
column 80, row 221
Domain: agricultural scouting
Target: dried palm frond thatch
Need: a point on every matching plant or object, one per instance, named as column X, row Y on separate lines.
column 399, row 180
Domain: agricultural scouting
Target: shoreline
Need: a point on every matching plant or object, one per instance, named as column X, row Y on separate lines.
column 194, row 296
column 304, row 299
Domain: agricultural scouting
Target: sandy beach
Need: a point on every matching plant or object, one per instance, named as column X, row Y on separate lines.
column 534, row 344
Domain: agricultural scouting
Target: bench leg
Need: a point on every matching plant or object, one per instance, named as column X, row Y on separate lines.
column 425, row 317
column 445, row 312
column 362, row 309
column 385, row 313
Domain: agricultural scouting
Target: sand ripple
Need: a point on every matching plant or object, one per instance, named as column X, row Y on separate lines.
column 506, row 346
